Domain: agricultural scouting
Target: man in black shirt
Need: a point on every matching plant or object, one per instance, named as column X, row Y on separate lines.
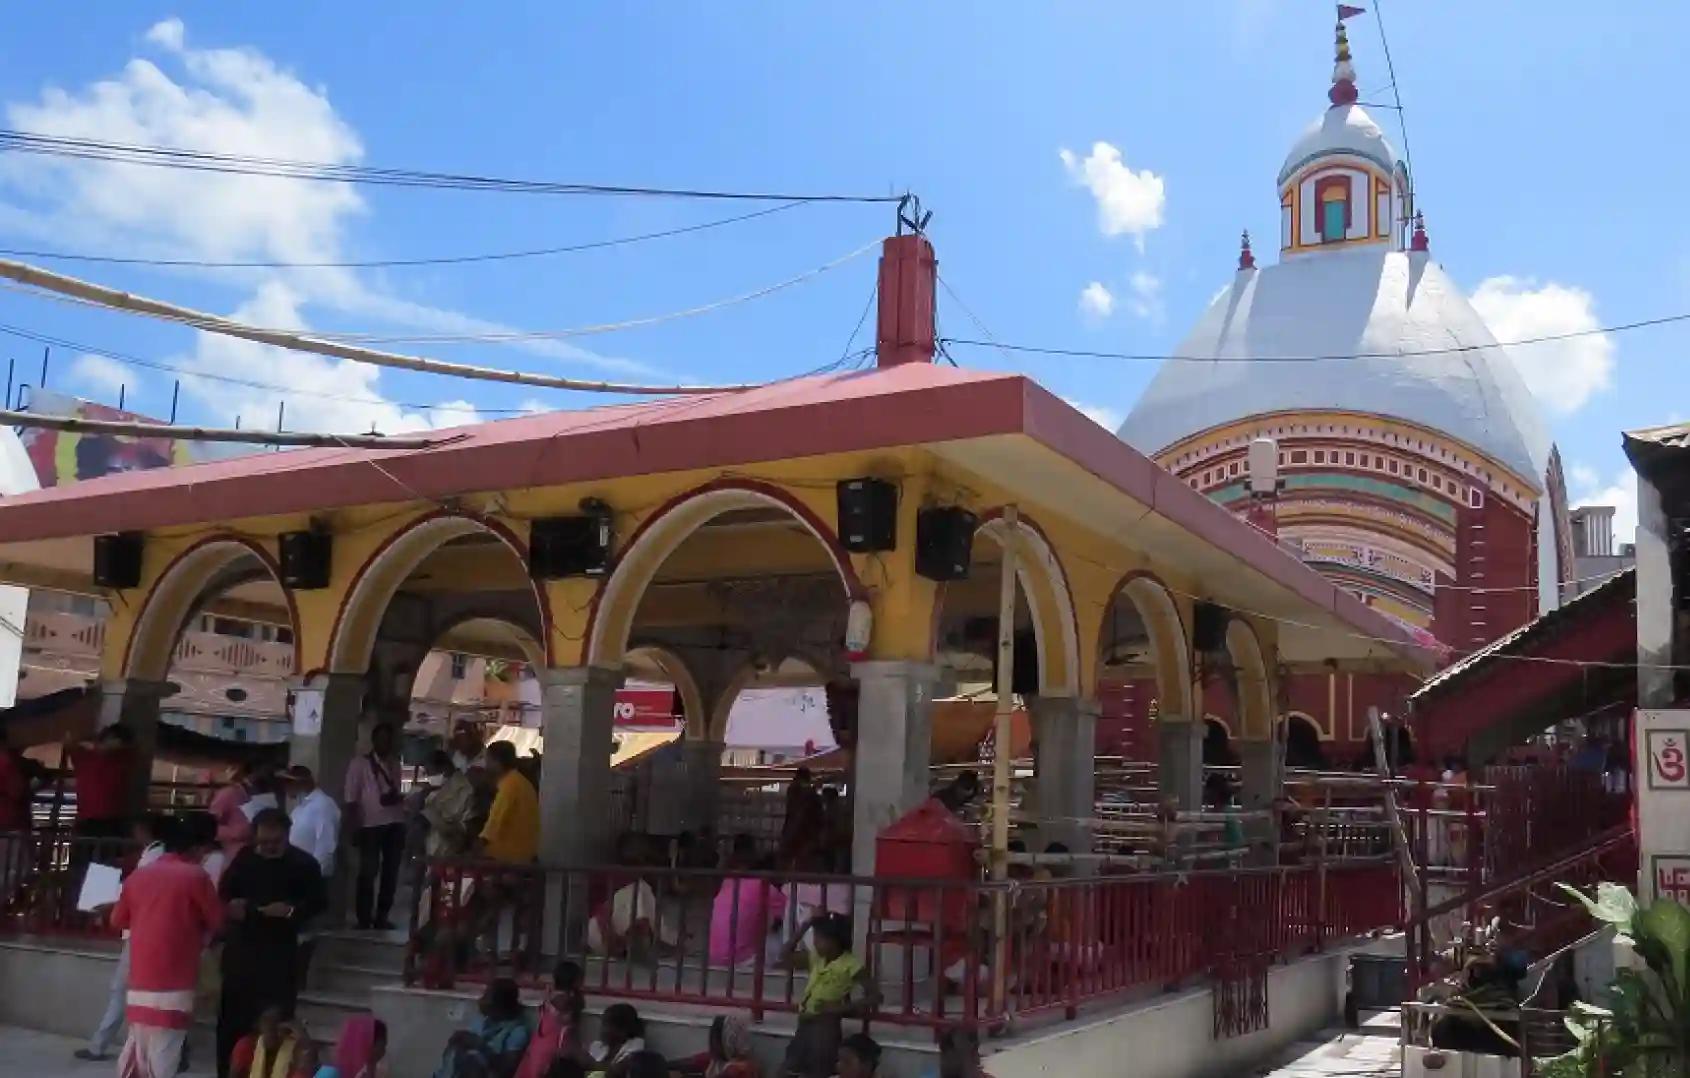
column 269, row 890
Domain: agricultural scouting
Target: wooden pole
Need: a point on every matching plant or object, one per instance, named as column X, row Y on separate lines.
column 1001, row 738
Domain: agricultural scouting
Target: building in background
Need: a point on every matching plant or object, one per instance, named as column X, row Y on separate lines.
column 1415, row 470
column 1596, row 555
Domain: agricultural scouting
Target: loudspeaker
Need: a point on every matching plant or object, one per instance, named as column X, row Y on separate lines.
column 117, row 560
column 305, row 559
column 1208, row 627
column 569, row 546
column 944, row 542
column 868, row 515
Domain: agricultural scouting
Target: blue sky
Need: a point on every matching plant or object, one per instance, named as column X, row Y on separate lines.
column 1543, row 135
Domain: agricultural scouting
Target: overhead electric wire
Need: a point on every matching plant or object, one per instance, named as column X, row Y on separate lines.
column 373, row 263
column 1407, row 353
column 227, row 379
column 135, row 428
column 88, row 293
column 252, row 165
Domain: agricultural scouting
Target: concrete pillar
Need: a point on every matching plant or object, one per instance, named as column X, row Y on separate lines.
column 1262, row 773
column 1655, row 600
column 135, row 703
column 894, row 741
column 325, row 714
column 704, row 777
column 1179, row 762
column 326, row 711
column 1064, row 769
column 577, row 712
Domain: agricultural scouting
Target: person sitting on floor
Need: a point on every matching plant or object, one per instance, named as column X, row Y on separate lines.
column 859, row 1056
column 559, row 1035
column 621, row 1036
column 268, row 1051
column 647, row 1064
column 497, row 1046
column 361, row 1051
column 629, row 921
column 729, row 1055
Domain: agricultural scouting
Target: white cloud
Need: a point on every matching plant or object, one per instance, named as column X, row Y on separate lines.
column 1107, row 418
column 167, row 33
column 1096, row 301
column 103, row 376
column 1145, row 290
column 232, row 100
column 535, row 406
column 1128, row 202
column 1621, row 493
column 1562, row 374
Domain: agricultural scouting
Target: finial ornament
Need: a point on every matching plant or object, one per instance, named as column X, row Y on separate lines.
column 1419, row 242
column 1246, row 260
column 1343, row 90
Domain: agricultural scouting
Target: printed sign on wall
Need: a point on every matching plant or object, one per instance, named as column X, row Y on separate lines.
column 1661, row 741
column 1668, row 767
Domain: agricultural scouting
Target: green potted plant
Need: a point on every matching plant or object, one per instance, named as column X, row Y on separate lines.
column 1644, row 1032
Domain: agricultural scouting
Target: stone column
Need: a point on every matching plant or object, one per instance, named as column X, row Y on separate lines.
column 1655, row 601
column 894, row 742
column 704, row 777
column 1263, row 773
column 135, row 704
column 1179, row 762
column 326, row 712
column 1064, row 769
column 577, row 713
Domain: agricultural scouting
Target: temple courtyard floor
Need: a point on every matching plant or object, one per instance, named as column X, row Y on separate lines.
column 24, row 1053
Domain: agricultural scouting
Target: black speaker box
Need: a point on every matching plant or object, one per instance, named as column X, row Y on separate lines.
column 1208, row 627
column 306, row 558
column 569, row 546
column 944, row 542
column 117, row 560
column 868, row 515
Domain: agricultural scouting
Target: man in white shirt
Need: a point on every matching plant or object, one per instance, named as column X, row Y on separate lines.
column 315, row 828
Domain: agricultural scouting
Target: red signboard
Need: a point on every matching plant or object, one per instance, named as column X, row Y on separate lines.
column 646, row 709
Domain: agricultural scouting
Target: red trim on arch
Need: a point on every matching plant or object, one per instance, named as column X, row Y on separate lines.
column 271, row 565
column 497, row 527
column 854, row 589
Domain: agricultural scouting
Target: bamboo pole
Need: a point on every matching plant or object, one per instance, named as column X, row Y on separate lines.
column 1001, row 755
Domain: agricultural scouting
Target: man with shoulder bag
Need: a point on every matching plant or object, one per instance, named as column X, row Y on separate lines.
column 377, row 810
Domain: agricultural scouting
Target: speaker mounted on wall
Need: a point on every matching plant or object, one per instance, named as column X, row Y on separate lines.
column 117, row 560
column 306, row 559
column 868, row 515
column 944, row 542
column 571, row 545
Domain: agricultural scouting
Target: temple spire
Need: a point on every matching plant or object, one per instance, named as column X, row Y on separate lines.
column 1246, row 260
column 1418, row 241
column 1343, row 90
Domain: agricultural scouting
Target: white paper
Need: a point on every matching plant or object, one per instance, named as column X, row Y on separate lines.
column 258, row 803
column 100, row 887
column 308, row 712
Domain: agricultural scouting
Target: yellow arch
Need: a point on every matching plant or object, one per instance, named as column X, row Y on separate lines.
column 1039, row 572
column 1255, row 685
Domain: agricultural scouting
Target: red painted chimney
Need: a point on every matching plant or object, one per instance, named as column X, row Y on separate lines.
column 908, row 273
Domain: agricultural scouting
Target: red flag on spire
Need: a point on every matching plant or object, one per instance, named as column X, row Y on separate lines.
column 1346, row 11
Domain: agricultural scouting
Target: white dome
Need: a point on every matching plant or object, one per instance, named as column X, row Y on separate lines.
column 1341, row 129
column 1348, row 302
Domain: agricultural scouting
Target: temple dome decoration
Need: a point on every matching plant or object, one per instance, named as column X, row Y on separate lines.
column 1416, row 470
column 1342, row 184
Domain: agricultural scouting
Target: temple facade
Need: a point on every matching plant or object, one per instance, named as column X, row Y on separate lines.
column 1414, row 468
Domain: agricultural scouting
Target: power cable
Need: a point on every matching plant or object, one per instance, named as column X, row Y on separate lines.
column 87, row 293
column 1396, row 95
column 252, row 165
column 1410, row 353
column 249, row 383
column 439, row 260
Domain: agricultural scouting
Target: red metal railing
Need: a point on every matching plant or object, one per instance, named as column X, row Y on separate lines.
column 930, row 945
column 41, row 875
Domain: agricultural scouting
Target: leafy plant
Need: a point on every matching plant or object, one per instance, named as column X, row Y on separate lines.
column 1645, row 1030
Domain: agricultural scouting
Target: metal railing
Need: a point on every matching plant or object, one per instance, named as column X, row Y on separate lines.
column 41, row 874
column 717, row 937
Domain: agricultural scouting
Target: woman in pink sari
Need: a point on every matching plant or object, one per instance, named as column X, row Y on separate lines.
column 358, row 1054
column 743, row 913
column 559, row 1035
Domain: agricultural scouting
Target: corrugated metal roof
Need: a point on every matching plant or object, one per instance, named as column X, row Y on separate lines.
column 1543, row 625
